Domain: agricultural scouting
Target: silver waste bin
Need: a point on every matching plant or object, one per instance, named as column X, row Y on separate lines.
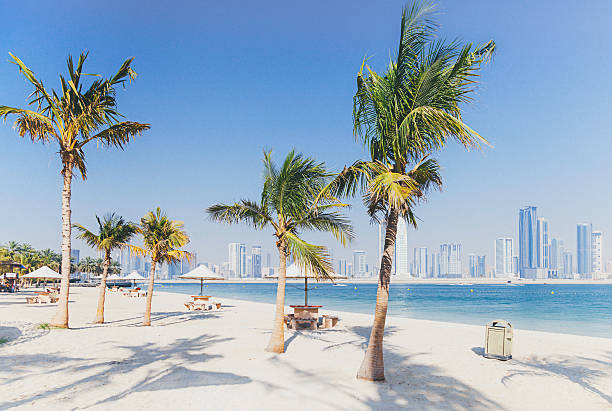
column 498, row 340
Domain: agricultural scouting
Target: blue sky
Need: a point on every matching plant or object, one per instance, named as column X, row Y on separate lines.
column 221, row 81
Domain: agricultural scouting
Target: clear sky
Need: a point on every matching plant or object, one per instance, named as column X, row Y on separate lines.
column 221, row 81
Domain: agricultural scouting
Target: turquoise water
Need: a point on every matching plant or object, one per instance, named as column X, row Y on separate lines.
column 573, row 309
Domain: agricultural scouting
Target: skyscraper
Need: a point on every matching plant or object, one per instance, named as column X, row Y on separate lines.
column 596, row 257
column 568, row 265
column 450, row 260
column 256, row 261
column 342, row 267
column 401, row 248
column 420, row 263
column 528, row 217
column 543, row 243
column 503, row 257
column 359, row 263
column 237, row 260
column 584, row 258
column 482, row 266
column 473, row 270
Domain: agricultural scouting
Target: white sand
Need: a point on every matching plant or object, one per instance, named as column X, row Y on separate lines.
column 215, row 361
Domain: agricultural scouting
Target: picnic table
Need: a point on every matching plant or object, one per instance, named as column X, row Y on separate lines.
column 42, row 297
column 201, row 302
column 304, row 315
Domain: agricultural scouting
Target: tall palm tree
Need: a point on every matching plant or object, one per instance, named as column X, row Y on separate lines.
column 403, row 115
column 291, row 202
column 72, row 118
column 161, row 237
column 50, row 258
column 89, row 265
column 113, row 233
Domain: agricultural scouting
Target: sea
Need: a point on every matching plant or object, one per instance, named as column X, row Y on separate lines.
column 581, row 309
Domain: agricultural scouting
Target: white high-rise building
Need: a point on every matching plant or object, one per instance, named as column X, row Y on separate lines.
column 543, row 243
column 359, row 263
column 597, row 262
column 256, row 261
column 503, row 257
column 450, row 260
column 237, row 260
column 420, row 263
column 402, row 265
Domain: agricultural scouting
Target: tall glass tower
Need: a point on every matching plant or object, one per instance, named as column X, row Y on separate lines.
column 583, row 249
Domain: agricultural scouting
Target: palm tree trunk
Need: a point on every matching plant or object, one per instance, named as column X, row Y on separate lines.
column 60, row 319
column 277, row 339
column 147, row 315
column 102, row 295
column 373, row 366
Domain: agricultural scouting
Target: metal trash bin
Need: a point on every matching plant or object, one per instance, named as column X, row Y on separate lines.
column 498, row 340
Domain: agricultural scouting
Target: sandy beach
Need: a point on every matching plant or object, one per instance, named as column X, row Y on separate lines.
column 216, row 361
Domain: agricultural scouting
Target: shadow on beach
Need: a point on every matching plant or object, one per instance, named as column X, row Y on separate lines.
column 178, row 356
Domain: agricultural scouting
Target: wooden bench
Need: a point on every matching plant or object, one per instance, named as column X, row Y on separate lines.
column 329, row 321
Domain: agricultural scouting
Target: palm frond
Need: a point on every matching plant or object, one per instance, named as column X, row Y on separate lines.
column 311, row 258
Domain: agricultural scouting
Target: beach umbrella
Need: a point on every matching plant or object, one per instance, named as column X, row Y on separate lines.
column 134, row 276
column 201, row 273
column 294, row 271
column 43, row 272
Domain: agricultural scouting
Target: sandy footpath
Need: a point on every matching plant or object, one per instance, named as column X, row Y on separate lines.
column 215, row 361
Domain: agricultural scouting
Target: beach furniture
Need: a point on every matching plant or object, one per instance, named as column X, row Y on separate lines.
column 498, row 340
column 329, row 321
column 307, row 315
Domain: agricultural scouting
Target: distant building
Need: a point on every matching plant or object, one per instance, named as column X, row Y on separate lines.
column 237, row 260
column 473, row 265
column 402, row 265
column 584, row 257
column 450, row 260
column 342, row 269
column 568, row 265
column 420, row 263
column 503, row 257
column 359, row 263
column 596, row 256
column 434, row 265
column 482, row 266
column 533, row 244
column 256, row 261
column 528, row 252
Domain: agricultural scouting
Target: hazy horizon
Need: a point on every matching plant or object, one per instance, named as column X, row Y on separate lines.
column 222, row 82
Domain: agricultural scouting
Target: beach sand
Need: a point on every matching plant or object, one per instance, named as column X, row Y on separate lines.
column 216, row 361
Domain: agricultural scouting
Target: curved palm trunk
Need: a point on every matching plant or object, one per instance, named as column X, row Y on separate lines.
column 102, row 295
column 60, row 319
column 147, row 315
column 373, row 367
column 277, row 339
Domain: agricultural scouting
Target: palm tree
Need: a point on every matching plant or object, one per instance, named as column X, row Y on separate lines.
column 291, row 202
column 161, row 237
column 402, row 116
column 113, row 232
column 50, row 258
column 88, row 265
column 73, row 118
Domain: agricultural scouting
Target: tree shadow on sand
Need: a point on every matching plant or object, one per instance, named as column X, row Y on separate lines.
column 580, row 370
column 413, row 385
column 176, row 356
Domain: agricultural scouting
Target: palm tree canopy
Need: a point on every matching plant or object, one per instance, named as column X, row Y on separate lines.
column 75, row 115
column 162, row 237
column 414, row 107
column 291, row 201
column 113, row 232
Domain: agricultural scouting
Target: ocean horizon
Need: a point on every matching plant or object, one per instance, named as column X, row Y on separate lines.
column 582, row 309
